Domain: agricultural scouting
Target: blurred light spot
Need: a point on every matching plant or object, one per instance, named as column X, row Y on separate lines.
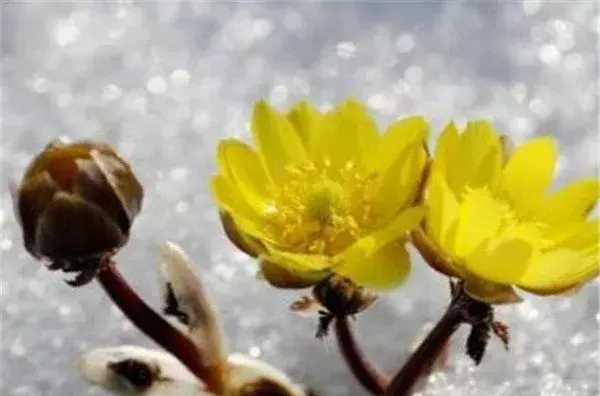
column 559, row 26
column 537, row 106
column 519, row 92
column 182, row 207
column 400, row 87
column 404, row 43
column 261, row 28
column 156, row 85
column 126, row 326
column 413, row 74
column 66, row 32
column 549, row 54
column 17, row 348
column 135, row 101
column 382, row 102
column 531, row 7
column 57, row 341
column 225, row 272
column 121, row 12
column 40, row 84
column 201, row 119
column 564, row 34
column 578, row 339
column 279, row 94
column 115, row 33
column 254, row 352
column 528, row 311
column 179, row 173
column 346, row 49
column 64, row 310
column 537, row 358
column 12, row 309
column 180, row 77
column 6, row 244
column 111, row 92
column 565, row 42
column 521, row 129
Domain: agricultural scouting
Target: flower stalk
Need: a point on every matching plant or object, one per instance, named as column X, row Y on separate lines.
column 364, row 372
column 462, row 309
column 156, row 327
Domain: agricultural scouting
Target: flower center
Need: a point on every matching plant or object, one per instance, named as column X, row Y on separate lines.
column 320, row 210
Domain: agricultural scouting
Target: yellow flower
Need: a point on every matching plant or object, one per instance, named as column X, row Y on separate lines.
column 491, row 220
column 323, row 193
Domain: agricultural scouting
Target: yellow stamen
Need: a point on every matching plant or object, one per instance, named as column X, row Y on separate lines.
column 321, row 210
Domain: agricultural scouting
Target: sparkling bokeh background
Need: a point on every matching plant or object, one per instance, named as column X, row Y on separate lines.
column 163, row 82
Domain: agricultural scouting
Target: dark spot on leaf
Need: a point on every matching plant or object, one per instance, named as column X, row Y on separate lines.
column 172, row 307
column 140, row 375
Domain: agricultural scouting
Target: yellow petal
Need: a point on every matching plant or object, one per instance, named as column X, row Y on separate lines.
column 369, row 244
column 584, row 237
column 487, row 170
column 246, row 170
column 222, row 165
column 349, row 136
column 571, row 203
column 433, row 255
column 441, row 210
column 529, row 172
column 480, row 218
column 278, row 142
column 480, row 154
column 308, row 122
column 246, row 243
column 230, row 199
column 384, row 269
column 400, row 182
column 569, row 291
column 369, row 260
column 298, row 262
column 448, row 158
column 501, row 262
column 280, row 274
column 491, row 293
column 558, row 270
column 396, row 139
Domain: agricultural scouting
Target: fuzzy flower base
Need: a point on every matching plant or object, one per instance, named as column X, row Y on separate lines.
column 165, row 82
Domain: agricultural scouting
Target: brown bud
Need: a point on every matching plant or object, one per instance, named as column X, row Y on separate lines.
column 76, row 203
column 339, row 296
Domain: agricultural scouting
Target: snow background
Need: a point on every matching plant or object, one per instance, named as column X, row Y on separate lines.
column 163, row 82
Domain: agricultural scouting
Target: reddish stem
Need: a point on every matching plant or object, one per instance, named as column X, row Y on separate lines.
column 156, row 327
column 367, row 375
column 462, row 309
column 420, row 362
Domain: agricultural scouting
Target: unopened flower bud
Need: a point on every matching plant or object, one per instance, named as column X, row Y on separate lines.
column 76, row 203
